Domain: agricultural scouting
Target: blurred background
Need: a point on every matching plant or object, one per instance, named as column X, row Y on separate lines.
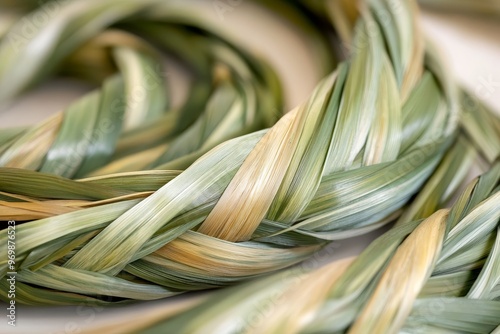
column 470, row 44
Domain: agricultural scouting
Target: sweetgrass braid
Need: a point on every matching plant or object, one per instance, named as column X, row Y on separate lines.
column 130, row 200
column 440, row 274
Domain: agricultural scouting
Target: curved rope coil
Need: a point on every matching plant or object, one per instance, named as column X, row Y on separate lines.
column 229, row 199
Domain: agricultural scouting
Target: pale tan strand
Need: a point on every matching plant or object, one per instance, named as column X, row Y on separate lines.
column 33, row 209
column 409, row 269
column 250, row 193
column 343, row 14
column 30, row 155
column 203, row 254
column 21, row 198
column 138, row 320
column 306, row 296
column 415, row 67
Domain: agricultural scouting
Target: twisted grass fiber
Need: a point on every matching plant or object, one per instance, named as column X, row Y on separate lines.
column 435, row 275
column 217, row 210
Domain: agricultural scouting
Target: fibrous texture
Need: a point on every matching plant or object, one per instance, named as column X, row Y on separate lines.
column 126, row 198
column 433, row 275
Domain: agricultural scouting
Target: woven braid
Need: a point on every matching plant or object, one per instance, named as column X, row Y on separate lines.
column 433, row 275
column 251, row 205
column 106, row 130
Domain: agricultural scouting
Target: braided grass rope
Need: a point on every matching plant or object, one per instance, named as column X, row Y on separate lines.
column 437, row 275
column 102, row 226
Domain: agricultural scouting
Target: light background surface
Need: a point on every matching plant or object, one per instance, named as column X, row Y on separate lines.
column 470, row 44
